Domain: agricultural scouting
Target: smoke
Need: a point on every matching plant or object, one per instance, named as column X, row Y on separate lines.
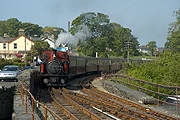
column 67, row 38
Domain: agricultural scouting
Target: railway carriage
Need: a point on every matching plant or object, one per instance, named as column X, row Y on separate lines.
column 57, row 67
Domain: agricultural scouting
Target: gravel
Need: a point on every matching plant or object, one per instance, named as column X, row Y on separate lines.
column 128, row 93
column 134, row 95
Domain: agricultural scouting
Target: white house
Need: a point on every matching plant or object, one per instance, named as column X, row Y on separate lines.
column 50, row 42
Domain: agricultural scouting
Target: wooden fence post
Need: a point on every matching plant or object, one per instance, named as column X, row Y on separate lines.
column 25, row 100
column 45, row 110
column 32, row 108
column 158, row 95
column 177, row 109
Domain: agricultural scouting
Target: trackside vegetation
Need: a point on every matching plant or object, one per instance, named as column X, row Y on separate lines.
column 164, row 70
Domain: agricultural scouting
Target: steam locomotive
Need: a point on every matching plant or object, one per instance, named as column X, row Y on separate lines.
column 58, row 67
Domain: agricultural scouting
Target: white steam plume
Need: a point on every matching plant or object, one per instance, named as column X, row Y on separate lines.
column 68, row 38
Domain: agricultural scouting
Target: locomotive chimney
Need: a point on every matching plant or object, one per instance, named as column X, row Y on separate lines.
column 68, row 26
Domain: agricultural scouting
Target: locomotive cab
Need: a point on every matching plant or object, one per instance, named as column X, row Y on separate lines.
column 54, row 69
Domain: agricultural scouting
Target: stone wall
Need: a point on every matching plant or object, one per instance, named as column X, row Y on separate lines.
column 6, row 101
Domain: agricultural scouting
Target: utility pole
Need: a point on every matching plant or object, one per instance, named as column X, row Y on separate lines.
column 128, row 45
column 128, row 48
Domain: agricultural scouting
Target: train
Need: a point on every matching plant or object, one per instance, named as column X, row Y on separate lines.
column 58, row 67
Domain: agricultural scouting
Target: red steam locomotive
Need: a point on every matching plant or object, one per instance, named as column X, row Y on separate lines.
column 58, row 67
column 55, row 68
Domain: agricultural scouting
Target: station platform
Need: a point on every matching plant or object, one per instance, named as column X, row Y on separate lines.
column 19, row 110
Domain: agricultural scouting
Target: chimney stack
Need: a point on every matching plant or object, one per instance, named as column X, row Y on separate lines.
column 6, row 35
column 21, row 31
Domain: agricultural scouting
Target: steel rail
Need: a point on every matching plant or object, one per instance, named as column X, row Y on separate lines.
column 147, row 110
column 79, row 107
column 89, row 92
column 119, row 108
column 102, row 107
column 64, row 110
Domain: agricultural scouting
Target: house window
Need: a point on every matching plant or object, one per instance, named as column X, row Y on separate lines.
column 4, row 45
column 15, row 45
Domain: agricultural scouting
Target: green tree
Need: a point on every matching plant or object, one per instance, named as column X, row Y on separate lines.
column 39, row 47
column 3, row 28
column 53, row 30
column 173, row 39
column 152, row 47
column 92, row 20
column 124, row 41
column 108, row 39
column 32, row 29
column 13, row 25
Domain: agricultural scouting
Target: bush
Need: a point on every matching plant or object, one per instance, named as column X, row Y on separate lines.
column 165, row 70
column 4, row 62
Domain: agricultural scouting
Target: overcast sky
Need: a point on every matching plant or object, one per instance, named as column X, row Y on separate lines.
column 148, row 19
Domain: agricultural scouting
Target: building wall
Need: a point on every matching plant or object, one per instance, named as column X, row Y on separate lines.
column 23, row 44
column 50, row 43
column 1, row 47
column 10, row 52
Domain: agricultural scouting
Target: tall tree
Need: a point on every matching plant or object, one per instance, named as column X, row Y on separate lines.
column 32, row 29
column 53, row 30
column 3, row 28
column 108, row 39
column 92, row 20
column 173, row 38
column 13, row 25
column 152, row 47
column 39, row 47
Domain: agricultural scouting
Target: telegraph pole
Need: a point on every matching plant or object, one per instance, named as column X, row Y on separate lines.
column 128, row 48
column 128, row 45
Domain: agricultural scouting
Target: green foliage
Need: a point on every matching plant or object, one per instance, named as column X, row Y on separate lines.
column 3, row 28
column 173, row 42
column 92, row 20
column 39, row 47
column 107, row 39
column 53, row 30
column 164, row 71
column 32, row 29
column 152, row 47
column 17, row 62
column 13, row 25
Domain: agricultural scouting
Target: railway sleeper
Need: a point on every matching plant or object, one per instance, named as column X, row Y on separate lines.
column 89, row 92
column 85, row 111
column 145, row 109
column 103, row 108
column 120, row 107
column 64, row 110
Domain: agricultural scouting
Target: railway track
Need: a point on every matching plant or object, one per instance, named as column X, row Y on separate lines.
column 88, row 104
column 55, row 100
column 115, row 106
column 116, row 99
